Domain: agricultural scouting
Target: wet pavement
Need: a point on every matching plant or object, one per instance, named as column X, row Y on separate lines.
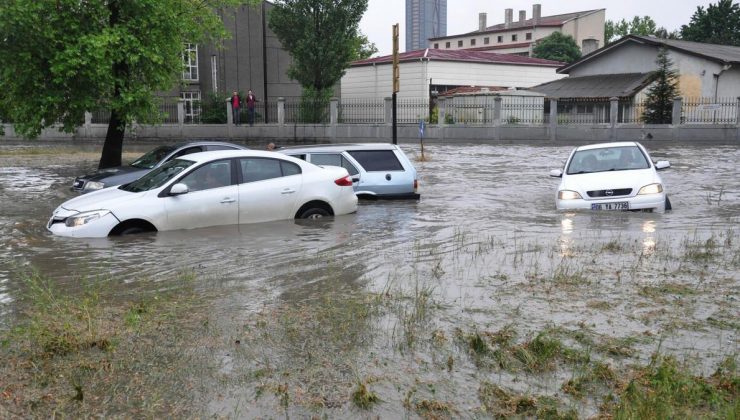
column 485, row 238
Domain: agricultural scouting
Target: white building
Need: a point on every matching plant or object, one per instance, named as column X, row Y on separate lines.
column 425, row 71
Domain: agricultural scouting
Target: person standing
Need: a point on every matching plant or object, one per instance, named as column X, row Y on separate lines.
column 251, row 100
column 235, row 106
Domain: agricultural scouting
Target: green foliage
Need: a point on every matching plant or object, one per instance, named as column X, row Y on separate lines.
column 213, row 109
column 363, row 48
column 434, row 116
column 718, row 24
column 638, row 26
column 314, row 107
column 558, row 47
column 322, row 36
column 659, row 101
column 60, row 58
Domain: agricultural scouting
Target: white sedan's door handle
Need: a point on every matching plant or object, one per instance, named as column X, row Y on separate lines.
column 287, row 191
column 228, row 200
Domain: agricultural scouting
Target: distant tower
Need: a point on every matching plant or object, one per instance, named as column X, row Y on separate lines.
column 424, row 19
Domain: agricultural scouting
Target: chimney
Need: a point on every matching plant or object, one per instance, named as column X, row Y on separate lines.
column 508, row 17
column 589, row 45
column 536, row 13
column 522, row 16
column 482, row 21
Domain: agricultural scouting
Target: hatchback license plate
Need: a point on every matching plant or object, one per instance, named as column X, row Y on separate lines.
column 622, row 205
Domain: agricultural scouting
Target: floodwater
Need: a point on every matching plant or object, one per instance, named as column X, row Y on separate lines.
column 485, row 240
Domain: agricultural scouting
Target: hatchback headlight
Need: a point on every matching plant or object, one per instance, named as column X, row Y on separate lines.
column 651, row 189
column 85, row 218
column 94, row 185
column 568, row 195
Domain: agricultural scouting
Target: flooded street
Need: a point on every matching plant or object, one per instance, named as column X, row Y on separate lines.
column 396, row 295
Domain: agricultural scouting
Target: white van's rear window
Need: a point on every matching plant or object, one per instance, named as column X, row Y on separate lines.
column 377, row 160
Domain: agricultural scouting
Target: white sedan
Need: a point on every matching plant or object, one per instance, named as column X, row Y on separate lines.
column 209, row 189
column 611, row 176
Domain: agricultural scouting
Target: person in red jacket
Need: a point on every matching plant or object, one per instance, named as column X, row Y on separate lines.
column 235, row 106
column 251, row 100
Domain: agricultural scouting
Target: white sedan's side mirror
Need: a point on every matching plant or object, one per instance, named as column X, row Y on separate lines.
column 556, row 173
column 179, row 189
column 662, row 164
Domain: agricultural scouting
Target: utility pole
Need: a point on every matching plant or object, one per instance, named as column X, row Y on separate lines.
column 396, row 81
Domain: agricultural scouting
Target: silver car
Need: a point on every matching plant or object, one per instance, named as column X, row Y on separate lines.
column 378, row 170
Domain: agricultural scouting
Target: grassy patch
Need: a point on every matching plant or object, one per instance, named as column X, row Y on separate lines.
column 92, row 354
column 504, row 404
column 661, row 291
column 667, row 389
column 363, row 398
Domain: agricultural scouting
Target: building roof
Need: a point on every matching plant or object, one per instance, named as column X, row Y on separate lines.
column 544, row 21
column 600, row 86
column 469, row 90
column 461, row 56
column 724, row 54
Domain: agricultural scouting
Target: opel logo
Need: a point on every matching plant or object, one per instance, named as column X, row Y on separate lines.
column 609, row 193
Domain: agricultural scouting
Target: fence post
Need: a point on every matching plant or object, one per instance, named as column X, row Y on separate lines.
column 441, row 110
column 613, row 116
column 553, row 118
column 388, row 110
column 180, row 112
column 497, row 101
column 281, row 110
column 334, row 111
column 229, row 119
column 677, row 102
column 88, row 123
column 737, row 121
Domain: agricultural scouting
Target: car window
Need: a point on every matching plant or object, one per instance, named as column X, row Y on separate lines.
column 377, row 160
column 220, row 147
column 301, row 157
column 289, row 168
column 187, row 151
column 211, row 175
column 333, row 159
column 260, row 169
column 153, row 157
column 607, row 159
column 158, row 177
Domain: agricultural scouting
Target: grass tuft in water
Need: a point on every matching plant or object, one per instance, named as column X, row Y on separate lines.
column 363, row 398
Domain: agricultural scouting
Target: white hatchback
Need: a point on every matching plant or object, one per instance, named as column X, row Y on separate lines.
column 209, row 189
column 611, row 176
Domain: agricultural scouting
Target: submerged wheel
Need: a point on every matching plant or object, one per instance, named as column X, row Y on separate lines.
column 668, row 205
column 132, row 230
column 314, row 213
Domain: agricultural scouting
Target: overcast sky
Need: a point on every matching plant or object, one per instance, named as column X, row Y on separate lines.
column 462, row 15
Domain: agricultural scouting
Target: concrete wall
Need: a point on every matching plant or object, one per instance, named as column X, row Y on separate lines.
column 301, row 133
column 587, row 27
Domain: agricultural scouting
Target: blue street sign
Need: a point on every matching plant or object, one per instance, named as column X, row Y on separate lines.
column 421, row 128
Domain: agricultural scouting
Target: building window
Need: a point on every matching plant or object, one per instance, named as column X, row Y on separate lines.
column 513, row 38
column 436, row 46
column 459, row 43
column 192, row 106
column 472, row 42
column 447, row 44
column 529, row 36
column 500, row 39
column 486, row 40
column 190, row 62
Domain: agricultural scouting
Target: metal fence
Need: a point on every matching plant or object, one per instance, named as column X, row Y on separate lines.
column 362, row 111
column 709, row 110
column 412, row 110
column 583, row 111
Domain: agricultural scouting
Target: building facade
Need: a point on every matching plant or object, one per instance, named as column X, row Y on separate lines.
column 251, row 58
column 519, row 36
column 425, row 19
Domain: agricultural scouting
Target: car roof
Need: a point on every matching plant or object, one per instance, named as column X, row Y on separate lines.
column 201, row 157
column 206, row 143
column 605, row 145
column 338, row 147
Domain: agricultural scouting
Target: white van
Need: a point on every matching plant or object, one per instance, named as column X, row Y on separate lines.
column 378, row 170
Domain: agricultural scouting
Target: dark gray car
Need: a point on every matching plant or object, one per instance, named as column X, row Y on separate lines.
column 110, row 177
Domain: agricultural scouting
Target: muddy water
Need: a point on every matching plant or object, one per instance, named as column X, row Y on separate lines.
column 485, row 238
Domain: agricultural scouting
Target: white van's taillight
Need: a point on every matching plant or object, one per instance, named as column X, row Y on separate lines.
column 344, row 182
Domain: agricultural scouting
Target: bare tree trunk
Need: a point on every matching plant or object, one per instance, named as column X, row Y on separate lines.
column 113, row 146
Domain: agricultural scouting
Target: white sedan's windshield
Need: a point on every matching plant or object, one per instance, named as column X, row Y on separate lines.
column 607, row 159
column 158, row 177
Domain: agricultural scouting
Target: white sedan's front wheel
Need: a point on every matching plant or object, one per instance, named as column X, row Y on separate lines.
column 314, row 213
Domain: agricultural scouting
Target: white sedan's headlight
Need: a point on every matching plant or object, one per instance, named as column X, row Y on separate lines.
column 85, row 218
column 93, row 185
column 651, row 189
column 568, row 195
